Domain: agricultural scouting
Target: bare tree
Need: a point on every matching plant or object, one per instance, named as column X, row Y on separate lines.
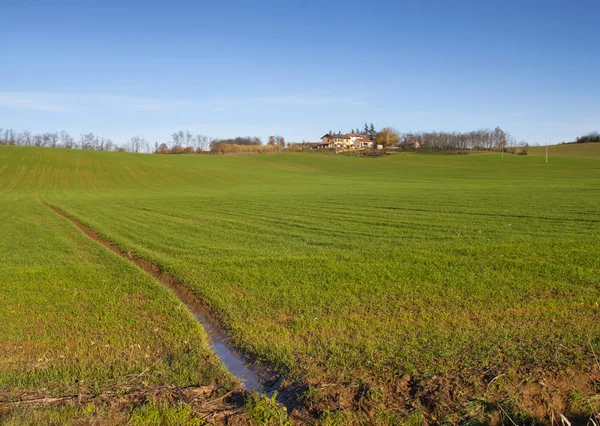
column 87, row 141
column 137, row 143
column 178, row 137
column 53, row 139
column 66, row 140
column 276, row 140
column 477, row 139
column 201, row 143
column 10, row 137
column 27, row 138
column 189, row 139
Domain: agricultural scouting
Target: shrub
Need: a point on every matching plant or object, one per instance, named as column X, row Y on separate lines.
column 162, row 149
column 245, row 149
column 436, row 151
column 524, row 150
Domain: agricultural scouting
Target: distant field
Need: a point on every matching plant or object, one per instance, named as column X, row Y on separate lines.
column 591, row 150
column 394, row 289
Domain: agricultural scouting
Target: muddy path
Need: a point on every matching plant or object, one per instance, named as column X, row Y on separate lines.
column 252, row 375
column 208, row 403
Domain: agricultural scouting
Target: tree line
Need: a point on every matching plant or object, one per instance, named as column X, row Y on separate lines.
column 185, row 142
column 590, row 137
column 63, row 139
column 483, row 139
column 181, row 142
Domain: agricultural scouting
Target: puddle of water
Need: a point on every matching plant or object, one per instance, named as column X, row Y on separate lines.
column 233, row 360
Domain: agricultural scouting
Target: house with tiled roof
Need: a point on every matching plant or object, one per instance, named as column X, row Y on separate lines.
column 349, row 140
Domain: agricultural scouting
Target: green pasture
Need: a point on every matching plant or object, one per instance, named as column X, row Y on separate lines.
column 77, row 319
column 334, row 269
column 587, row 150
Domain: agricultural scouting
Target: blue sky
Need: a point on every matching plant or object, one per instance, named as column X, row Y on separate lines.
column 300, row 68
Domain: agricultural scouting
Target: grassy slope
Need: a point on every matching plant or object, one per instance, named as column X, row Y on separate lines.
column 589, row 150
column 77, row 318
column 357, row 270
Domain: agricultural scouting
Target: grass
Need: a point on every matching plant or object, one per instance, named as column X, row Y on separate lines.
column 77, row 318
column 264, row 410
column 589, row 150
column 337, row 270
column 74, row 311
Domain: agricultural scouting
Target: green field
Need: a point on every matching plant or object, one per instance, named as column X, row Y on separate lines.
column 588, row 150
column 390, row 289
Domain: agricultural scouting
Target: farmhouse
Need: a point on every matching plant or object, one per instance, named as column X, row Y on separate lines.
column 349, row 140
column 413, row 145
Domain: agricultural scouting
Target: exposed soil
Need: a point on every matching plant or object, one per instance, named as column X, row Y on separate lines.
column 518, row 396
column 208, row 402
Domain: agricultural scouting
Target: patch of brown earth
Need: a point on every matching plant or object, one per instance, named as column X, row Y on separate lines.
column 210, row 403
column 517, row 396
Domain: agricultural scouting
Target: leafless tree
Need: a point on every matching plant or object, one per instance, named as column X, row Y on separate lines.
column 53, row 139
column 477, row 139
column 87, row 141
column 10, row 137
column 66, row 140
column 27, row 138
column 178, row 137
column 201, row 143
column 137, row 144
column 189, row 139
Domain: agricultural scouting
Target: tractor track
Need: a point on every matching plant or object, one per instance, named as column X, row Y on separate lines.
column 254, row 376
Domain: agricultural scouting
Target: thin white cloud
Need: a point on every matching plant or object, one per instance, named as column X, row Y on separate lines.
column 30, row 101
column 70, row 102
column 65, row 102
